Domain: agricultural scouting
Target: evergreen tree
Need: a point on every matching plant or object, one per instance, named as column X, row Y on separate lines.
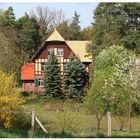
column 117, row 24
column 75, row 79
column 63, row 29
column 29, row 38
column 7, row 17
column 53, row 77
column 75, row 29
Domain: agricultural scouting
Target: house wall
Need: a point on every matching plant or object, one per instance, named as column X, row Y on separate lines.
column 28, row 85
column 55, row 44
column 43, row 55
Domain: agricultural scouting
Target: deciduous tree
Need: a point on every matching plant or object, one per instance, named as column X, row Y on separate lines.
column 106, row 63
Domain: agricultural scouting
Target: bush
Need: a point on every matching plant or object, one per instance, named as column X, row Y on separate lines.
column 10, row 100
column 64, row 122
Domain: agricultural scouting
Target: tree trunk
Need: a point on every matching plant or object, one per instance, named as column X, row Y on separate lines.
column 121, row 123
column 98, row 125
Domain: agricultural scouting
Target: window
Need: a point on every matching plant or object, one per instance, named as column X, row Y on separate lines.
column 60, row 51
column 49, row 51
column 40, row 83
column 65, row 66
column 43, row 67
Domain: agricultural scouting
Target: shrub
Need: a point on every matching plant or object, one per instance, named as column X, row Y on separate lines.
column 10, row 99
column 65, row 122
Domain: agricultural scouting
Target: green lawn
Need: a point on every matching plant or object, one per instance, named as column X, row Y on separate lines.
column 71, row 117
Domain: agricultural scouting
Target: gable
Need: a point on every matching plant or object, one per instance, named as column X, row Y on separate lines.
column 43, row 52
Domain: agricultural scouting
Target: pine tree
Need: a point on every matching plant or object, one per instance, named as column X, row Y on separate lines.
column 29, row 38
column 75, row 79
column 75, row 29
column 53, row 77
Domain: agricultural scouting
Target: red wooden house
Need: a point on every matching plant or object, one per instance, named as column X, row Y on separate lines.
column 32, row 73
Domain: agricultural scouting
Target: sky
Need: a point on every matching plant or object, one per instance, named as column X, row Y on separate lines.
column 84, row 9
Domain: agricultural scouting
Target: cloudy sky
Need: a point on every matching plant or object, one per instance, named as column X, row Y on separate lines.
column 84, row 9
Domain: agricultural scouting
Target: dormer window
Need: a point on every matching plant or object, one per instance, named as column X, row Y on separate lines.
column 60, row 52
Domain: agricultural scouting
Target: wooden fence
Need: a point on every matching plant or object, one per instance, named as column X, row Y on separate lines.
column 33, row 116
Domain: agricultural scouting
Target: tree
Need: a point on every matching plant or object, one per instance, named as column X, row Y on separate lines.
column 47, row 19
column 53, row 77
column 87, row 33
column 10, row 99
column 7, row 17
column 131, row 15
column 9, row 44
column 124, row 84
column 75, row 79
column 28, row 37
column 75, row 29
column 9, row 51
column 97, row 99
column 117, row 23
column 63, row 29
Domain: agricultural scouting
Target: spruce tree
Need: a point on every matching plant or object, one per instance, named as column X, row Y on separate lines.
column 74, row 28
column 75, row 79
column 52, row 77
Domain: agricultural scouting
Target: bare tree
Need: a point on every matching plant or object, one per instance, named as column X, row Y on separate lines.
column 47, row 19
column 59, row 17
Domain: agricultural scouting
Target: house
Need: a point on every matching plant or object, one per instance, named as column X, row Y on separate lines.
column 32, row 73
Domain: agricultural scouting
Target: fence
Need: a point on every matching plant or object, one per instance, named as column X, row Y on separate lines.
column 34, row 119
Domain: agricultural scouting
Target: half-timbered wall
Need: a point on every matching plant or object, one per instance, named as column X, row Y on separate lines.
column 43, row 55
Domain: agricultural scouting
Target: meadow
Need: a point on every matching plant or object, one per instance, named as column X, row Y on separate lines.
column 68, row 119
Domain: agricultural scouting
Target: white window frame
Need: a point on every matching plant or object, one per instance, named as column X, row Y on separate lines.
column 60, row 52
column 41, row 83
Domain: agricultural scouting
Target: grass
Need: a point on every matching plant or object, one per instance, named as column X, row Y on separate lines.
column 69, row 119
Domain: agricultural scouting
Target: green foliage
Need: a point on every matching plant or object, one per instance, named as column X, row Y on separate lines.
column 7, row 17
column 74, row 29
column 112, row 56
column 64, row 122
column 75, row 79
column 106, row 64
column 87, row 33
column 9, row 44
column 117, row 23
column 8, row 48
column 53, row 77
column 124, row 85
column 29, row 38
column 63, row 29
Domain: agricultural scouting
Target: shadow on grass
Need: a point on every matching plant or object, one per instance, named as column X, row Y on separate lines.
column 12, row 133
